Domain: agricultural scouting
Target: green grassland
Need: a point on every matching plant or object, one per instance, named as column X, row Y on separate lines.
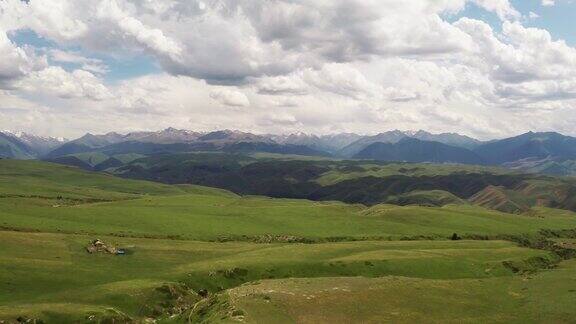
column 365, row 169
column 29, row 179
column 207, row 216
column 352, row 181
column 48, row 275
column 545, row 298
column 261, row 259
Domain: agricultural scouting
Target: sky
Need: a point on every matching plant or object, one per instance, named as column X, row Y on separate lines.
column 483, row 68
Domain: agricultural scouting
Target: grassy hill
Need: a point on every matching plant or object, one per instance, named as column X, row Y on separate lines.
column 52, row 197
column 33, row 179
column 348, row 181
column 198, row 254
column 546, row 298
column 51, row 276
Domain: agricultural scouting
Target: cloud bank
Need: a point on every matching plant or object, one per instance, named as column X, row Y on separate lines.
column 319, row 66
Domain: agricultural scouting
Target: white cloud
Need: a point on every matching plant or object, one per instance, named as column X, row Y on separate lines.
column 230, row 98
column 108, row 11
column 16, row 62
column 503, row 8
column 56, row 81
column 69, row 57
column 228, row 41
column 96, row 66
column 291, row 84
column 548, row 3
column 291, row 65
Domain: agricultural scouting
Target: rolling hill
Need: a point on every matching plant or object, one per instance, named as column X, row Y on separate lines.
column 366, row 182
column 198, row 254
column 548, row 165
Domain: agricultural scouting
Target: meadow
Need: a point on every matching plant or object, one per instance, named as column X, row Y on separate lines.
column 198, row 254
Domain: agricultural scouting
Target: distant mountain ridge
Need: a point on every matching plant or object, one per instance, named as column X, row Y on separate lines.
column 338, row 145
column 550, row 153
column 396, row 136
column 329, row 143
column 20, row 145
column 529, row 145
column 415, row 150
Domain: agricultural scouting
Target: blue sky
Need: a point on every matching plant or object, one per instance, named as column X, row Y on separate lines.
column 559, row 20
column 119, row 67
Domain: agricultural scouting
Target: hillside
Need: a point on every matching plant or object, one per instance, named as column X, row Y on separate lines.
column 139, row 207
column 366, row 182
column 548, row 165
column 192, row 252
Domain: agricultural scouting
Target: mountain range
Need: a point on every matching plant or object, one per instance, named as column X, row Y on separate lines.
column 415, row 150
column 26, row 146
column 550, row 152
column 396, row 136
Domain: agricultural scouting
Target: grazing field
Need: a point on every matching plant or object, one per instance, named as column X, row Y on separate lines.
column 198, row 254
column 54, row 198
column 32, row 179
column 545, row 298
column 381, row 170
column 49, row 275
column 353, row 181
column 221, row 216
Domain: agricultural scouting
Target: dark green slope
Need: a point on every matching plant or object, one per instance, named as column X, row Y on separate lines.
column 356, row 181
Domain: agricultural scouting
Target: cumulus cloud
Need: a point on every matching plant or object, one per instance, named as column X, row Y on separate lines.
column 502, row 8
column 292, row 85
column 16, row 62
column 529, row 56
column 313, row 65
column 108, row 11
column 56, row 81
column 229, row 41
column 230, row 98
column 335, row 78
